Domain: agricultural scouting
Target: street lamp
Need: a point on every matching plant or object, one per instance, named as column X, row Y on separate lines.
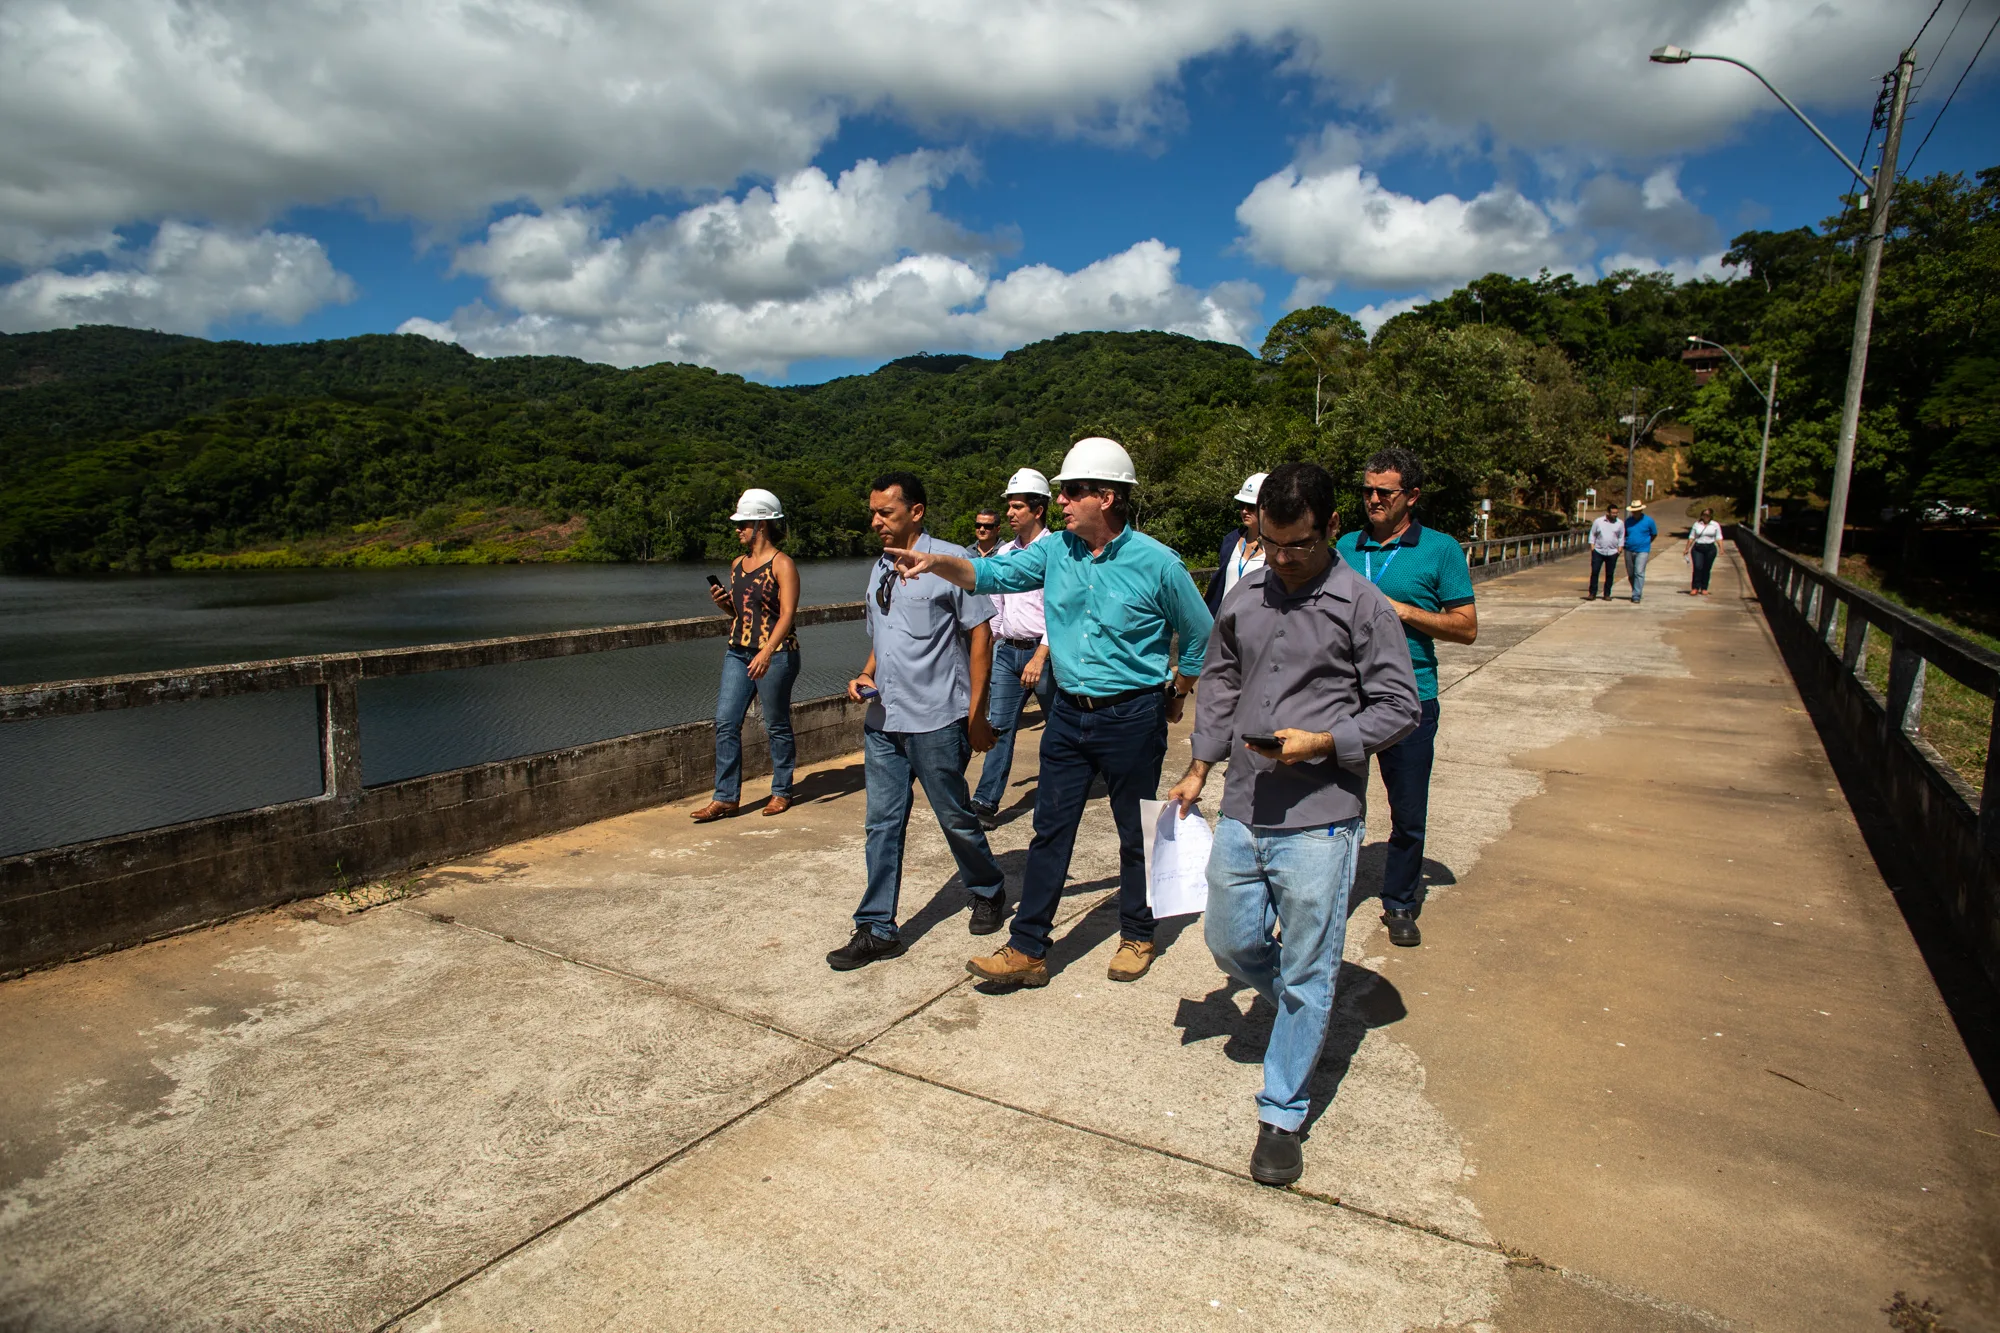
column 1770, row 403
column 1632, row 442
column 1877, row 201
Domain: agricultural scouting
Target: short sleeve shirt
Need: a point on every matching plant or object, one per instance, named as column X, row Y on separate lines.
column 1639, row 533
column 1424, row 568
column 923, row 666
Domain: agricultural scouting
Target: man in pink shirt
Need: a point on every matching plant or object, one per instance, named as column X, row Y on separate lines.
column 1020, row 647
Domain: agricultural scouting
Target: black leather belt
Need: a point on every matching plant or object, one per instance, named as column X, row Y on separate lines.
column 1090, row 705
column 1026, row 645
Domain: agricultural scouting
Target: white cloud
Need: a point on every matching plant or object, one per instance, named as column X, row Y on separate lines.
column 1373, row 316
column 115, row 111
column 1342, row 225
column 1685, row 269
column 813, row 267
column 187, row 280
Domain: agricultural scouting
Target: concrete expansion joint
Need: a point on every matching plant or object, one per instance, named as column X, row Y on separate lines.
column 1481, row 666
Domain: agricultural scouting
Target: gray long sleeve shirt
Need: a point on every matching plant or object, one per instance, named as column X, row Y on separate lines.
column 1331, row 657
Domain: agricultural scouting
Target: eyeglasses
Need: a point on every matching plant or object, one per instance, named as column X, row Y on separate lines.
column 1076, row 490
column 1301, row 549
column 1380, row 492
column 885, row 590
column 984, row 527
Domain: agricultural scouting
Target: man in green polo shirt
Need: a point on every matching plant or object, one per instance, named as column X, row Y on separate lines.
column 1423, row 574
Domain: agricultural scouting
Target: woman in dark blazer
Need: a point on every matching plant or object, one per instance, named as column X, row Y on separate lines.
column 1241, row 551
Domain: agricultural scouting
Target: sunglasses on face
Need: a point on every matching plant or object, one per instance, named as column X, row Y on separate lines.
column 984, row 527
column 1380, row 492
column 1076, row 490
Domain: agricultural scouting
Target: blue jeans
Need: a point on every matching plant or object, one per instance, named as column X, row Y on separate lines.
column 893, row 762
column 732, row 701
column 1609, row 565
column 1635, row 572
column 1258, row 878
column 1005, row 703
column 1406, row 775
column 1125, row 744
column 1703, row 556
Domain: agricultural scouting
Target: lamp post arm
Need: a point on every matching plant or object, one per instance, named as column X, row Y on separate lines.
column 1867, row 182
column 1739, row 367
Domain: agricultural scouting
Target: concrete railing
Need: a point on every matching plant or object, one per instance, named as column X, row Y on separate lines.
column 1504, row 555
column 1950, row 831
column 68, row 901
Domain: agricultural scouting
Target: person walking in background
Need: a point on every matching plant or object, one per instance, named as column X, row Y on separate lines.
column 1424, row 575
column 1640, row 529
column 1241, row 551
column 1114, row 601
column 1306, row 651
column 762, row 657
column 985, row 533
column 1020, row 647
column 925, row 686
column 1607, row 539
column 1703, row 543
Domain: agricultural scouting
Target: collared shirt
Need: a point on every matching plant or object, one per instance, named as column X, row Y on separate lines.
column 1607, row 536
column 1239, row 564
column 1639, row 533
column 1328, row 657
column 1705, row 534
column 1018, row 615
column 1111, row 617
column 1423, row 568
column 923, row 666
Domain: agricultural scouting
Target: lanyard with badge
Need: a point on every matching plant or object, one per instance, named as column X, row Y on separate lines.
column 1368, row 560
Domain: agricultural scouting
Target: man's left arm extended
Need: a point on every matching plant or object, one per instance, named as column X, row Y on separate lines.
column 1454, row 624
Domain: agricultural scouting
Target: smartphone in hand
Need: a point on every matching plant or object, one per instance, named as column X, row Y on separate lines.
column 715, row 583
column 1261, row 742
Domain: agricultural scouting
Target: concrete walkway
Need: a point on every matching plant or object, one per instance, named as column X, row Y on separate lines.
column 1668, row 1060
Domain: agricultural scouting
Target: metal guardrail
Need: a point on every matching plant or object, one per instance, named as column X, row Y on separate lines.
column 1951, row 831
column 1520, row 552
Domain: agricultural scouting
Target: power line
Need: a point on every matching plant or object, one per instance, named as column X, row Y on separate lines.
column 1927, row 23
column 1943, row 47
column 1954, row 93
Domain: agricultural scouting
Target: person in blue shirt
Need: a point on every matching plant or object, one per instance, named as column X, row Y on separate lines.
column 1113, row 602
column 1424, row 575
column 1639, row 533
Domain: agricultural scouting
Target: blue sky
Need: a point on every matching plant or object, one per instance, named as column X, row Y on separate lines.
column 802, row 204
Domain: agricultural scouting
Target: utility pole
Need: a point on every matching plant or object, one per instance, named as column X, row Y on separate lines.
column 1631, row 444
column 1764, row 453
column 1864, row 312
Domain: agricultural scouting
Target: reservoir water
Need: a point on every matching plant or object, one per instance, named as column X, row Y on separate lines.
column 66, row 780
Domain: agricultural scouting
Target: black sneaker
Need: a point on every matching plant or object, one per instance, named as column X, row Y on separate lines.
column 866, row 947
column 989, row 914
column 989, row 819
column 1277, row 1159
column 1403, row 929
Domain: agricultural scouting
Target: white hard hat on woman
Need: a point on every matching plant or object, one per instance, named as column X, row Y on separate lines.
column 755, row 504
column 1027, row 482
column 1251, row 486
column 1098, row 459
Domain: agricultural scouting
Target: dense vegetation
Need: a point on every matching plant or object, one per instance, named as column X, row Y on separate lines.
column 122, row 449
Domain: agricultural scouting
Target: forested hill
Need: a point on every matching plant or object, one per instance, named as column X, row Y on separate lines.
column 122, row 449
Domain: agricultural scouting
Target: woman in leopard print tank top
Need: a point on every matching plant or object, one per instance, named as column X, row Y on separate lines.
column 762, row 601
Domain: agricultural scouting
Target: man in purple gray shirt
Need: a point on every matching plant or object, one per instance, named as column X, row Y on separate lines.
column 1307, row 654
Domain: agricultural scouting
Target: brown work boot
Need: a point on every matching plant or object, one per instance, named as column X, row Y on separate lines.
column 1010, row 967
column 713, row 811
column 777, row 805
column 1131, row 960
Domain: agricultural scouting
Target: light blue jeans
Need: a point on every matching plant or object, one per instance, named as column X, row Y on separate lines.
column 1005, row 703
column 1635, row 571
column 892, row 762
column 732, row 701
column 1258, row 878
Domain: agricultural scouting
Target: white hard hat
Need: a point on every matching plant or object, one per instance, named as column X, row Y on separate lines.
column 1098, row 459
column 1248, row 495
column 1027, row 482
column 754, row 504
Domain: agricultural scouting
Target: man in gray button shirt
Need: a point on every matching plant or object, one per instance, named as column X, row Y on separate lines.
column 1306, row 651
column 925, row 684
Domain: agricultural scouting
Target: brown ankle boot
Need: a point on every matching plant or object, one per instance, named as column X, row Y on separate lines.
column 1131, row 960
column 1010, row 967
column 713, row 811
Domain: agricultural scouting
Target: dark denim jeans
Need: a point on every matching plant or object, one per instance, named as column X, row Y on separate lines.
column 732, row 701
column 1608, row 564
column 1126, row 744
column 1703, row 557
column 893, row 762
column 1406, row 773
column 1005, row 702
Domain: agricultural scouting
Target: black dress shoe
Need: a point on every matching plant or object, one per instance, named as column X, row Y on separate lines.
column 1277, row 1159
column 866, row 947
column 989, row 914
column 1403, row 929
column 989, row 819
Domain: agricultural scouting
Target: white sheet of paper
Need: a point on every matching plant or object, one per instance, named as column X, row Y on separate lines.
column 1176, row 858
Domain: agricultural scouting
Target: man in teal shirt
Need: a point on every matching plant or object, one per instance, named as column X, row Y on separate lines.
column 1113, row 600
column 1423, row 574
